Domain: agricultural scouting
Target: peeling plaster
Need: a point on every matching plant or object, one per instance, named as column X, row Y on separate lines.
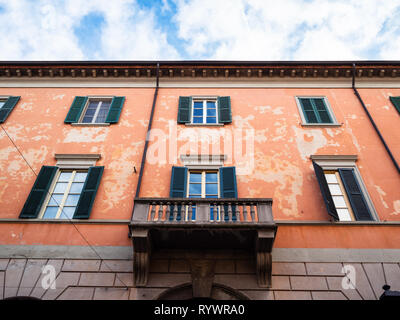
column 309, row 142
column 85, row 134
column 396, row 207
column 59, row 97
column 381, row 195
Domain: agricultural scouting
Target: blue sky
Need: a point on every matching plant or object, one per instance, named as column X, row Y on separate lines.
column 200, row 29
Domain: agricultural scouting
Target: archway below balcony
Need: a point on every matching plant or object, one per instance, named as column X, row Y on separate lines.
column 218, row 292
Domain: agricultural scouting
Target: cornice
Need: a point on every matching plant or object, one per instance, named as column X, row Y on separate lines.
column 186, row 70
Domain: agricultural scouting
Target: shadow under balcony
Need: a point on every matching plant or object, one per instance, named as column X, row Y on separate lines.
column 202, row 224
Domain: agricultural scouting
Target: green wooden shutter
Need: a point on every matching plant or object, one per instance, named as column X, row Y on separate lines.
column 326, row 194
column 321, row 110
column 355, row 195
column 178, row 182
column 224, row 110
column 396, row 103
column 228, row 188
column 7, row 107
column 88, row 193
column 185, row 109
column 115, row 109
column 76, row 109
column 38, row 193
column 178, row 187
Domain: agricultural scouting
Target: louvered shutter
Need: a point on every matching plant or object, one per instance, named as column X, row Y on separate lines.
column 326, row 194
column 7, row 107
column 224, row 110
column 115, row 109
column 178, row 187
column 396, row 103
column 76, row 109
column 38, row 193
column 185, row 109
column 228, row 188
column 88, row 194
column 355, row 195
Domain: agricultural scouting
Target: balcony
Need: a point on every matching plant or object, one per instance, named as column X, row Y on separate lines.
column 202, row 224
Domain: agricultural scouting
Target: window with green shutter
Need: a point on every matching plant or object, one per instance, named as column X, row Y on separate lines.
column 204, row 110
column 95, row 110
column 315, row 110
column 63, row 193
column 6, row 106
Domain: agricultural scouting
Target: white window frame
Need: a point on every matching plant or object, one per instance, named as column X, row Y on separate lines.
column 100, row 99
column 304, row 122
column 336, row 162
column 204, row 99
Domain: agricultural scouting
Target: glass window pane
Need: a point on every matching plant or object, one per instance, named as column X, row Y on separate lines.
column 197, row 119
column 55, row 199
column 195, row 188
column 211, row 197
column 80, row 176
column 343, row 214
column 335, row 190
column 67, row 213
column 211, row 112
column 1, row 104
column 195, row 177
column 331, row 178
column 211, row 177
column 211, row 104
column 93, row 105
column 60, row 187
column 87, row 119
column 195, row 196
column 65, row 176
column 339, row 201
column 103, row 112
column 198, row 104
column 211, row 120
column 198, row 112
column 50, row 213
column 72, row 200
column 211, row 188
column 76, row 187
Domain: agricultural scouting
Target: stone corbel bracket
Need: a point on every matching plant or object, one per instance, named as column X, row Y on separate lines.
column 141, row 256
column 264, row 242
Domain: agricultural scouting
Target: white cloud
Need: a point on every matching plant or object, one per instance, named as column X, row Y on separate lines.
column 44, row 30
column 291, row 29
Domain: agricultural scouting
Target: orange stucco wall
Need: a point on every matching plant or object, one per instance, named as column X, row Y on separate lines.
column 282, row 168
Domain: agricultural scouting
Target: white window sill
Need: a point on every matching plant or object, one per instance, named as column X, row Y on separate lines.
column 321, row 124
column 90, row 124
column 204, row 124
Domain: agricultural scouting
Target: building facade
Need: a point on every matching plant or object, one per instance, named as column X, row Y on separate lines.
column 179, row 180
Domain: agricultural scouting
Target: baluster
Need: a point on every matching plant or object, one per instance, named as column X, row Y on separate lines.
column 215, row 212
column 252, row 212
column 190, row 212
column 222, row 212
column 153, row 211
column 160, row 211
column 245, row 212
column 237, row 210
column 175, row 212
column 229, row 212
column 167, row 211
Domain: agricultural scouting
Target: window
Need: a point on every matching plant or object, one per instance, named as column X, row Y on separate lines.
column 342, row 189
column 315, row 111
column 204, row 110
column 64, row 191
column 7, row 105
column 95, row 110
column 64, row 195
